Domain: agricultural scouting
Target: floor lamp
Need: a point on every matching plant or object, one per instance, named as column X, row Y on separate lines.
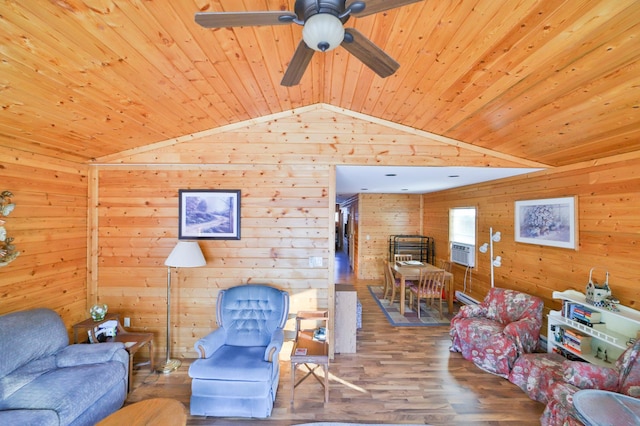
column 495, row 261
column 186, row 254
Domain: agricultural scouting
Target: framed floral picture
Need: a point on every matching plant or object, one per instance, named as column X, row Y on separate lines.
column 209, row 214
column 548, row 222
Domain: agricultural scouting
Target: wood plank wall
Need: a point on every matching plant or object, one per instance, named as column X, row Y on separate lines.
column 284, row 220
column 284, row 166
column 382, row 215
column 49, row 225
column 609, row 230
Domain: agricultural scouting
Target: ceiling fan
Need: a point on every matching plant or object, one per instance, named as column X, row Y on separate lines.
column 323, row 30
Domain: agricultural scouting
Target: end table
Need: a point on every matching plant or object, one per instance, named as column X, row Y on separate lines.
column 132, row 341
column 307, row 351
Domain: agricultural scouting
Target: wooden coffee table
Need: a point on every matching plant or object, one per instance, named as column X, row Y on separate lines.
column 156, row 411
column 308, row 351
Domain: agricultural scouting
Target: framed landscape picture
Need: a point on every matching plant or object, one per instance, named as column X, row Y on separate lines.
column 209, row 214
column 548, row 222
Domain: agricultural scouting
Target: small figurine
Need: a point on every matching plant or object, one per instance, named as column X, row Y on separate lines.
column 597, row 294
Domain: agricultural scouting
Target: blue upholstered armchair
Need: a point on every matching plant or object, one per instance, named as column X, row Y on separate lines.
column 238, row 371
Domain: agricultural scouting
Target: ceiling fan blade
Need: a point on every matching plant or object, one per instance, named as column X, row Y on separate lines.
column 375, row 6
column 370, row 54
column 297, row 65
column 243, row 19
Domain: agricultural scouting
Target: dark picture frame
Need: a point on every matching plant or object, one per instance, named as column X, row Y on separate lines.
column 209, row 214
column 548, row 222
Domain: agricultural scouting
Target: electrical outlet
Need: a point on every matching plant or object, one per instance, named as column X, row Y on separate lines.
column 127, row 322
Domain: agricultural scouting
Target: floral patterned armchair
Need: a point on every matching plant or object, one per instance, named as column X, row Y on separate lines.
column 623, row 377
column 496, row 332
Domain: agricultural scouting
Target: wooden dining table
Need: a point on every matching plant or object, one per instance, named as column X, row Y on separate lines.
column 412, row 272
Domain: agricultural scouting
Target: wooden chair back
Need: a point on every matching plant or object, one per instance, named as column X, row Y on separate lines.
column 446, row 265
column 389, row 280
column 402, row 257
column 429, row 287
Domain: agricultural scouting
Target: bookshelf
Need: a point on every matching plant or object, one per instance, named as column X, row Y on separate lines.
column 611, row 333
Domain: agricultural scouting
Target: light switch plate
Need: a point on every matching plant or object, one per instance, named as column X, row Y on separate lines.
column 315, row 261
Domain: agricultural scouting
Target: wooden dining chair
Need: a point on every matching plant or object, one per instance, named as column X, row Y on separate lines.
column 387, row 279
column 391, row 282
column 429, row 288
column 402, row 257
column 446, row 265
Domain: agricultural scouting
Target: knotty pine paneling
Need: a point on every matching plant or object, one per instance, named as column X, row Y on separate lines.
column 317, row 135
column 285, row 219
column 49, row 225
column 608, row 221
column 383, row 215
column 283, row 165
column 550, row 81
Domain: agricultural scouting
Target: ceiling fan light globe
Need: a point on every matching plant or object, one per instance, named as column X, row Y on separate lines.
column 323, row 32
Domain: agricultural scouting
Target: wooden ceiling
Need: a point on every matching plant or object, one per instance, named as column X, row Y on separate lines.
column 553, row 81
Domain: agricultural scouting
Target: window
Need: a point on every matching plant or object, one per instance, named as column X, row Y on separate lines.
column 462, row 225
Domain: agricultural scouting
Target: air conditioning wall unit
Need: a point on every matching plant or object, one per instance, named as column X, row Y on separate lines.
column 463, row 254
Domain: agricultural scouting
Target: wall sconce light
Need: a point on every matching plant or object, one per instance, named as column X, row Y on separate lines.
column 495, row 261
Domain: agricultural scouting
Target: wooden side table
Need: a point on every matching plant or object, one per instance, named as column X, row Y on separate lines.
column 132, row 341
column 307, row 351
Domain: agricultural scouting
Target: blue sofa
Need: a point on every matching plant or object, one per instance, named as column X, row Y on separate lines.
column 46, row 381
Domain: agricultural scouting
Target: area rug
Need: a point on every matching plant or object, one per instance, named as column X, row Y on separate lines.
column 349, row 424
column 428, row 317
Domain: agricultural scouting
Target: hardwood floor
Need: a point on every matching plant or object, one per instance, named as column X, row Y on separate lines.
column 398, row 375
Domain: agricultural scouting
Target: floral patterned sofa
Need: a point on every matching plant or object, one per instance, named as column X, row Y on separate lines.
column 494, row 333
column 553, row 380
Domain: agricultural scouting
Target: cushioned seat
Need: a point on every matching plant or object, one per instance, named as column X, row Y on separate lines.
column 553, row 380
column 536, row 373
column 496, row 332
column 238, row 371
column 46, row 381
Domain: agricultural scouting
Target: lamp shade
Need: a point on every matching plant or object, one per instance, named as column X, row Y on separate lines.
column 186, row 254
column 323, row 32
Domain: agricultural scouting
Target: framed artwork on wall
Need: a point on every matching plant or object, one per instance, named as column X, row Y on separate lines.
column 548, row 222
column 209, row 214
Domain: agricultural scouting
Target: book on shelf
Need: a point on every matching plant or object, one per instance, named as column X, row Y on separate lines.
column 585, row 314
column 594, row 325
column 565, row 353
column 577, row 311
column 300, row 351
column 576, row 341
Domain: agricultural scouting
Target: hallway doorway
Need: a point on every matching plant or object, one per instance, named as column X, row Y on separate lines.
column 343, row 272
